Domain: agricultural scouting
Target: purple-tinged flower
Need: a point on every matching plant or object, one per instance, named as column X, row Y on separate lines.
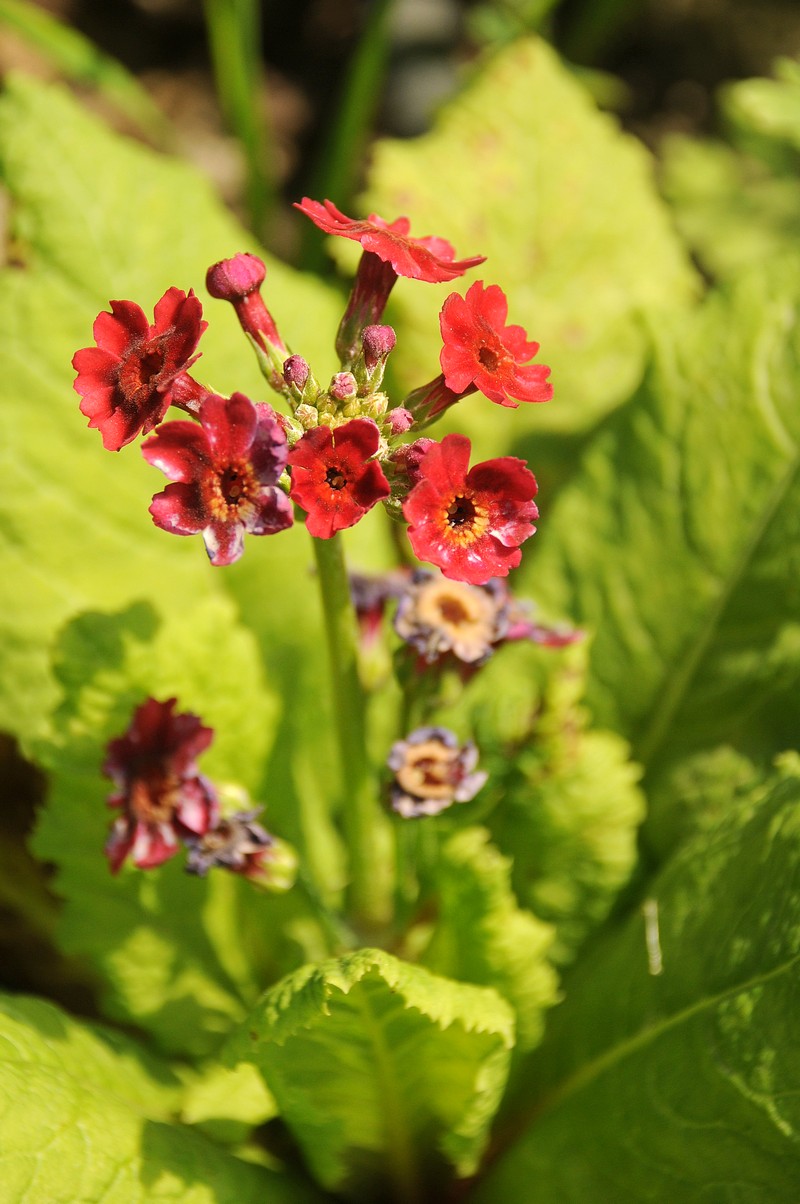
column 164, row 797
column 431, row 772
column 370, row 594
column 239, row 844
column 437, row 617
column 128, row 380
column 226, row 471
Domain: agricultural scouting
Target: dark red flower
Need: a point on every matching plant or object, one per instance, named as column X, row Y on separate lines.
column 470, row 522
column 226, row 469
column 333, row 478
column 431, row 259
column 126, row 381
column 481, row 351
column 164, row 797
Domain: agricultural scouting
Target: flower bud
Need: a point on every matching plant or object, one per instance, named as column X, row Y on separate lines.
column 296, row 371
column 233, row 279
column 399, row 420
column 377, row 342
column 343, row 386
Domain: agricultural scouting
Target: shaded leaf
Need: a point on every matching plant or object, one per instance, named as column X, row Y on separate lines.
column 681, row 1084
column 386, row 1074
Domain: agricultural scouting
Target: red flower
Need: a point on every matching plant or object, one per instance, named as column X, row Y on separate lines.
column 481, row 351
column 164, row 797
column 430, row 259
column 226, row 469
column 333, row 478
column 126, row 381
column 470, row 522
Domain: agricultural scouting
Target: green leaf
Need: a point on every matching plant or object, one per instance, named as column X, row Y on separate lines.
column 677, row 540
column 564, row 207
column 386, row 1074
column 682, row 1084
column 99, row 217
column 732, row 211
column 562, row 800
column 482, row 935
column 70, row 53
column 86, row 1115
column 767, row 108
column 180, row 956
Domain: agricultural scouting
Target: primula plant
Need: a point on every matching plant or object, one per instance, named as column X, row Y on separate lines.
column 441, row 845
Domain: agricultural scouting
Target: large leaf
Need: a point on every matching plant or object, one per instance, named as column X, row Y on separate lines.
column 180, row 956
column 96, row 217
column 677, row 541
column 562, row 801
column 679, row 1083
column 522, row 168
column 386, row 1074
column 482, row 935
column 87, row 1116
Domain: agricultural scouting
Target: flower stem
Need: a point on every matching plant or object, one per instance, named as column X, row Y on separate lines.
column 359, row 811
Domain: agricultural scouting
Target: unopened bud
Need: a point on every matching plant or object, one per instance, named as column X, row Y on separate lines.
column 343, row 386
column 399, row 420
column 377, row 342
column 296, row 371
column 232, row 279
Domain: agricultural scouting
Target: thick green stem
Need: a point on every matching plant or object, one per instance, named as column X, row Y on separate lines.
column 359, row 804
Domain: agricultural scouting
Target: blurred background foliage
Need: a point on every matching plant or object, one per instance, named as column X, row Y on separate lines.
column 276, row 99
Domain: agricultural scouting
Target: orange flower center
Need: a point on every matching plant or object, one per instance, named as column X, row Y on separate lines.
column 230, row 489
column 465, row 519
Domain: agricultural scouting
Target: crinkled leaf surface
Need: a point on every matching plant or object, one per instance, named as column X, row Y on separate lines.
column 522, row 168
column 562, row 800
column 96, row 217
column 87, row 1116
column 178, row 955
column 386, row 1074
column 482, row 935
column 677, row 540
column 680, row 1085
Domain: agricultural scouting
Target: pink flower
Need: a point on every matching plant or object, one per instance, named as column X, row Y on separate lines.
column 480, row 351
column 164, row 797
column 126, row 382
column 333, row 478
column 470, row 522
column 431, row 259
column 226, row 471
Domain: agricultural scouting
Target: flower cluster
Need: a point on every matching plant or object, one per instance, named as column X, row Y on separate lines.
column 237, row 466
column 166, row 803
